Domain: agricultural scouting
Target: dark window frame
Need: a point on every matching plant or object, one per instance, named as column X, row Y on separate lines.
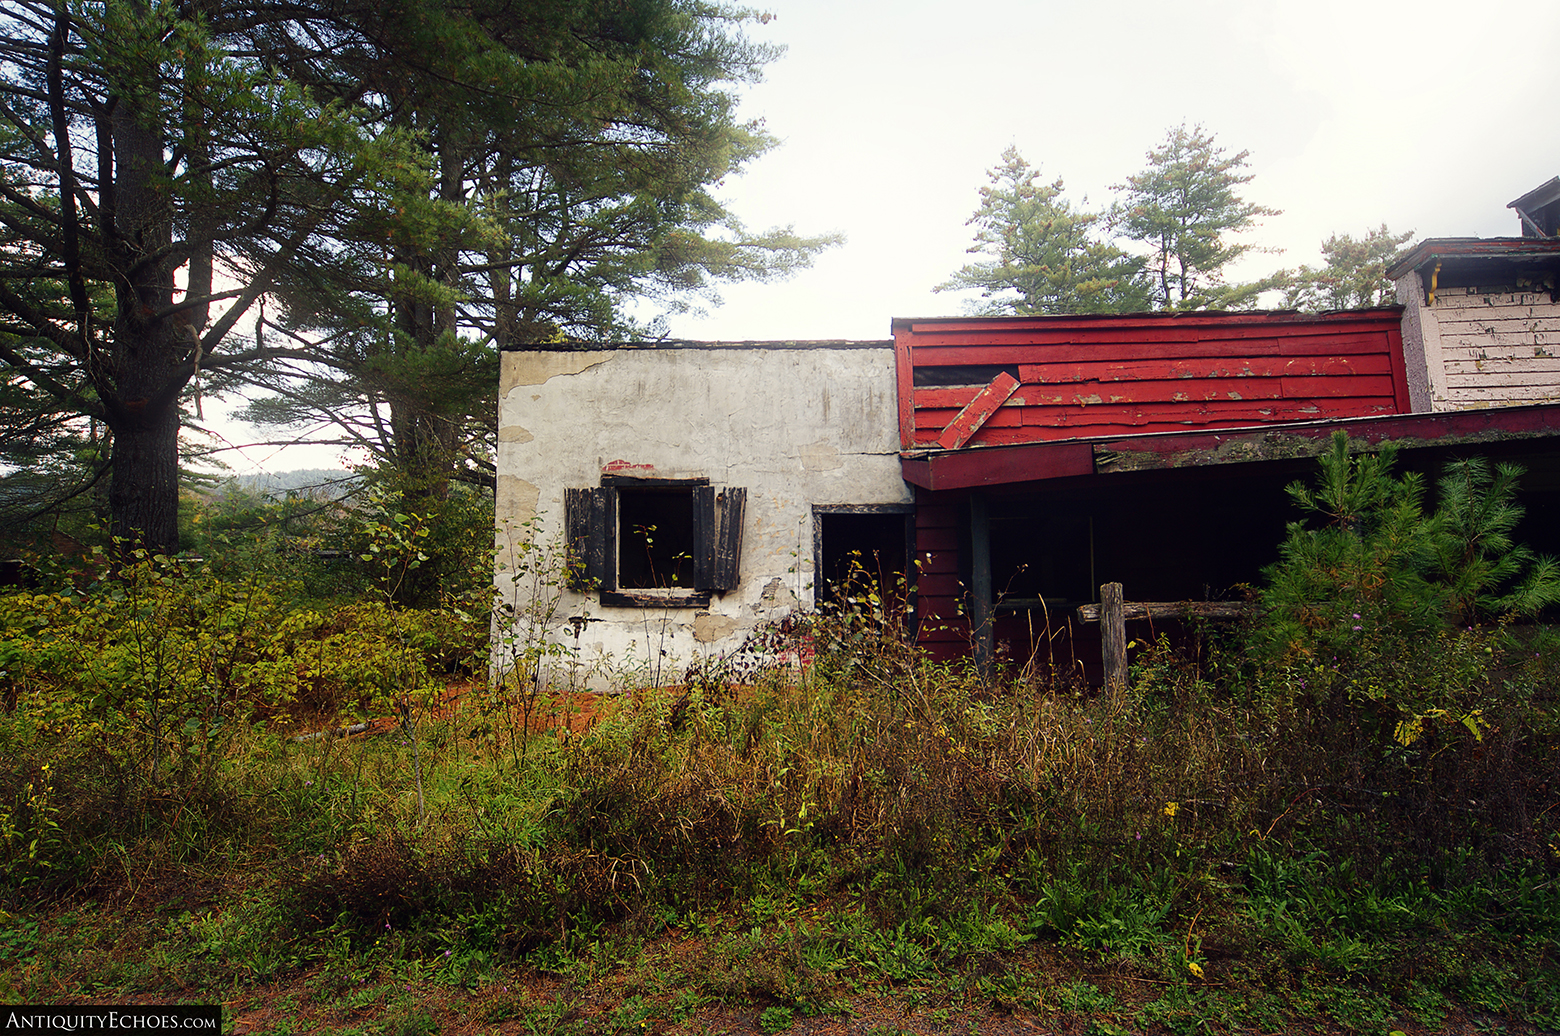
column 591, row 519
column 907, row 511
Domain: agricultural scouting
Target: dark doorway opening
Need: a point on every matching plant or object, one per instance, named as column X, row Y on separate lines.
column 862, row 542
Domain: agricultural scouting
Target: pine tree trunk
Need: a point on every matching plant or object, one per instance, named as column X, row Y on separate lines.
column 140, row 379
column 144, row 493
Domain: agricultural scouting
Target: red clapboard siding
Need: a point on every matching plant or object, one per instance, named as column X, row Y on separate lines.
column 943, row 631
column 935, row 410
column 1082, row 377
column 928, row 540
column 939, row 584
column 1157, row 348
column 1199, row 367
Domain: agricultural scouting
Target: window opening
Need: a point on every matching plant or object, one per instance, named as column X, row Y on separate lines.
column 655, row 538
column 655, row 542
column 871, row 540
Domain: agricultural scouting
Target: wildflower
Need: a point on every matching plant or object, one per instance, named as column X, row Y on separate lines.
column 1359, row 627
column 1195, row 968
column 1356, row 615
column 1171, row 809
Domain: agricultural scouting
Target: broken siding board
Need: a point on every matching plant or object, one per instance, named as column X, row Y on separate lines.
column 1459, row 312
column 1502, row 355
column 933, row 422
column 1519, row 395
column 1524, row 363
column 978, row 411
column 904, row 380
column 1040, row 435
column 1122, row 376
column 1502, row 378
column 1541, row 318
column 1499, row 339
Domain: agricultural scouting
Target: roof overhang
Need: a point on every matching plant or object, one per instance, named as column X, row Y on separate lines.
column 1474, row 260
column 978, row 467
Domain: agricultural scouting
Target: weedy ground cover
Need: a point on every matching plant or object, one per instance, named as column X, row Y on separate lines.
column 1221, row 848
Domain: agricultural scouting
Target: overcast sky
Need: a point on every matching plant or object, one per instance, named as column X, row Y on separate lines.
column 1428, row 116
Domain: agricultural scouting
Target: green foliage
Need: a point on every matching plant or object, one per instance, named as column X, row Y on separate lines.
column 138, row 687
column 776, row 840
column 1042, row 255
column 1184, row 207
column 541, row 220
column 1366, row 605
column 1355, row 274
column 418, row 187
column 1042, row 250
column 1486, row 573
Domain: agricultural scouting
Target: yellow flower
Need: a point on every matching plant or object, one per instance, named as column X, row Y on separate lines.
column 1171, row 809
column 1195, row 968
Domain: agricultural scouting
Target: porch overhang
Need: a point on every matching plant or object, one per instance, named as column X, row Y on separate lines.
column 975, row 467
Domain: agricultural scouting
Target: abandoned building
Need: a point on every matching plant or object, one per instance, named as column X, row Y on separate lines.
column 1004, row 466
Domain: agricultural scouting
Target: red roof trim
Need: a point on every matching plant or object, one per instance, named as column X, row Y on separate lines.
column 999, row 465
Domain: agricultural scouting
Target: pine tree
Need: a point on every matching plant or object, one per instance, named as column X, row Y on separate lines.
column 1185, row 207
column 1485, row 571
column 1366, row 594
column 1354, row 276
column 171, row 167
column 1043, row 255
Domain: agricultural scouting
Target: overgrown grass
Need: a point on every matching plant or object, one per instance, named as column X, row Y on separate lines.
column 1193, row 854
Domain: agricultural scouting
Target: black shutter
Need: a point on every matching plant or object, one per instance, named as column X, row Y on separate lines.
column 705, row 527
column 732, row 505
column 717, row 537
column 590, row 523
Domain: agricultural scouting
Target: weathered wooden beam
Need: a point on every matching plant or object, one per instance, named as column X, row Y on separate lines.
column 1215, row 610
column 1114, row 636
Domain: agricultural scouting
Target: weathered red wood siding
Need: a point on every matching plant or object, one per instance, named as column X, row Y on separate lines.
column 943, row 631
column 1083, row 377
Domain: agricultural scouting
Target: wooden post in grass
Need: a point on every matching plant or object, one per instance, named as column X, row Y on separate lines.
column 1113, row 634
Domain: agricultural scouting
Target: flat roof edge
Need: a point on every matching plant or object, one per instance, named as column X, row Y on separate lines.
column 1255, row 316
column 1474, row 248
column 680, row 343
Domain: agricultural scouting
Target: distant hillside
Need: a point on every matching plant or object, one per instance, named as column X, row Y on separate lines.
column 328, row 482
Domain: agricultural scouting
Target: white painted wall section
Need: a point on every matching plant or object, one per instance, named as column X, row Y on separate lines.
column 796, row 424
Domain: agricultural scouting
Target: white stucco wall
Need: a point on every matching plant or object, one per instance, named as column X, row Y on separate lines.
column 1477, row 348
column 796, row 424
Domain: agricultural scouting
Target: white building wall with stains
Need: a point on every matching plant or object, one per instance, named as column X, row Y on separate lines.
column 1474, row 346
column 798, row 425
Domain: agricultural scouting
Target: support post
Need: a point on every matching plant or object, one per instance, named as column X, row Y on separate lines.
column 980, row 586
column 1113, row 635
